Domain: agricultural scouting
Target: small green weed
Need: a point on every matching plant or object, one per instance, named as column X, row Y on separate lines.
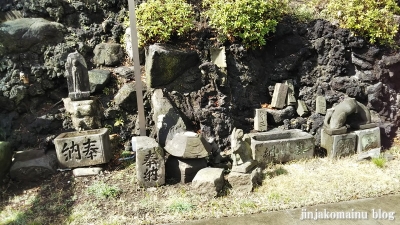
column 379, row 162
column 102, row 190
column 180, row 205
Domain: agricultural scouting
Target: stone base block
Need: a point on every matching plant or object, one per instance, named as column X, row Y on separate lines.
column 84, row 148
column 368, row 139
column 338, row 145
column 33, row 165
column 244, row 182
column 281, row 146
column 209, row 181
column 76, row 96
column 150, row 164
column 85, row 172
column 245, row 167
column 85, row 114
column 183, row 170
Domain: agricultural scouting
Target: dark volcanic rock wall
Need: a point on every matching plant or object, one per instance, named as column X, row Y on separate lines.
column 320, row 59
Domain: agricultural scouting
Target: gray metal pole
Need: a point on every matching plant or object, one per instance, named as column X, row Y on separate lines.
column 135, row 50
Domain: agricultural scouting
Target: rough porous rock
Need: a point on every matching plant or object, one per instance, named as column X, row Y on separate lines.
column 108, row 54
column 209, row 181
column 98, row 79
column 21, row 35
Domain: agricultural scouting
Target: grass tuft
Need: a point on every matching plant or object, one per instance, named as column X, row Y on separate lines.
column 101, row 190
column 379, row 162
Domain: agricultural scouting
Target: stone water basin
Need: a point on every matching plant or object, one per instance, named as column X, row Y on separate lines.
column 83, row 148
column 281, row 146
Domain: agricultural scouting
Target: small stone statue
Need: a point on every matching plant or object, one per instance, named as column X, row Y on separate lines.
column 77, row 77
column 241, row 152
column 336, row 118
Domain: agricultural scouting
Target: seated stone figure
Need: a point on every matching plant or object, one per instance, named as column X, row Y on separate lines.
column 241, row 152
column 336, row 119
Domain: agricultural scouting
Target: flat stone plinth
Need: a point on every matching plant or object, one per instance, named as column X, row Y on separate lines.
column 339, row 145
column 281, row 146
column 368, row 139
column 83, row 148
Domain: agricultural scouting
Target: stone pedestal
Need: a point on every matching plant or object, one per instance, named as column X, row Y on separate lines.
column 85, row 114
column 183, row 170
column 260, row 120
column 150, row 164
column 368, row 139
column 244, row 182
column 338, row 145
column 84, row 148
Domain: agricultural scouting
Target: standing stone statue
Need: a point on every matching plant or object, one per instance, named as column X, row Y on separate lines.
column 77, row 77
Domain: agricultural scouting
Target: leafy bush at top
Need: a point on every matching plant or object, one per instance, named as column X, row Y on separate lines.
column 372, row 19
column 246, row 20
column 159, row 20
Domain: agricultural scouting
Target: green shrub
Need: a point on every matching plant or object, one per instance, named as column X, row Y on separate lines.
column 372, row 19
column 160, row 20
column 379, row 162
column 248, row 21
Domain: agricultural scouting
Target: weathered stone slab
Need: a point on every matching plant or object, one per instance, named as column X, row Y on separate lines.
column 85, row 114
column 209, row 181
column 33, row 165
column 320, row 105
column 281, row 146
column 150, row 164
column 372, row 153
column 291, row 99
column 169, row 120
column 244, row 182
column 5, row 158
column 368, row 139
column 84, row 148
column 126, row 97
column 218, row 57
column 338, row 145
column 279, row 96
column 85, row 172
column 302, row 109
column 188, row 145
column 260, row 120
column 164, row 64
column 183, row 170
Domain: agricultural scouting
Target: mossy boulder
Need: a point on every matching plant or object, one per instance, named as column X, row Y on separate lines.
column 164, row 64
column 21, row 35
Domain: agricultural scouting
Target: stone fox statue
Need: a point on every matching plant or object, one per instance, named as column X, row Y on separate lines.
column 337, row 118
column 241, row 150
